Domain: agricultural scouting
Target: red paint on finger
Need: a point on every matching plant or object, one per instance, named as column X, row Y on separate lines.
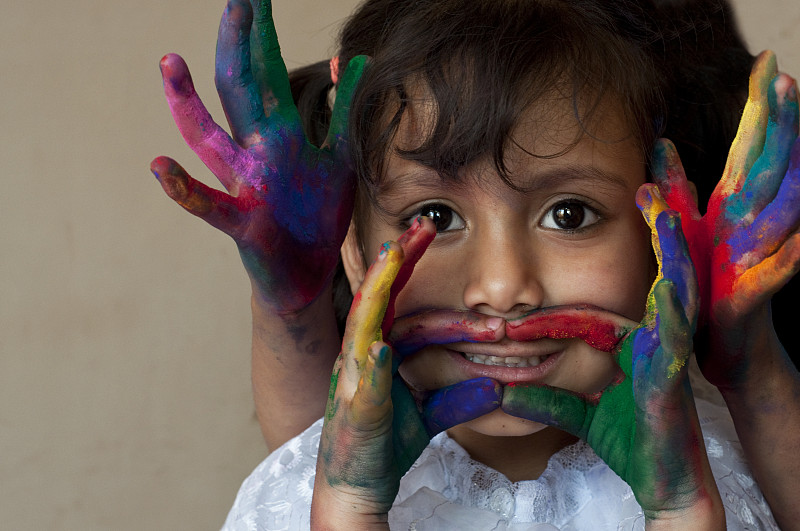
column 599, row 328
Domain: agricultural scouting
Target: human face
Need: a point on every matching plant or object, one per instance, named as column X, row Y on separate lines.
column 573, row 236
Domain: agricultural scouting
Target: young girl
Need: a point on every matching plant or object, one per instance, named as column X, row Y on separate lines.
column 509, row 125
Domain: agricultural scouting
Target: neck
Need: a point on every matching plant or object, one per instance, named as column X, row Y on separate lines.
column 519, row 458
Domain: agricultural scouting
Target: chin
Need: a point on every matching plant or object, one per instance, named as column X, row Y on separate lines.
column 500, row 424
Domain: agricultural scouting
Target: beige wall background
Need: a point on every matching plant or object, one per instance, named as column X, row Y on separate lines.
column 124, row 322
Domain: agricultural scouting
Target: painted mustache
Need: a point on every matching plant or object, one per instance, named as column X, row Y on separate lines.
column 601, row 329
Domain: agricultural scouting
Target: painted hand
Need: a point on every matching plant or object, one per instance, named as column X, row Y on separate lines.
column 374, row 429
column 289, row 203
column 644, row 424
column 746, row 247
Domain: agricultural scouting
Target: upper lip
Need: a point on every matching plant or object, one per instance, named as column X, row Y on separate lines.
column 507, row 348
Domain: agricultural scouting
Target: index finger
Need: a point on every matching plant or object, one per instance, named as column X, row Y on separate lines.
column 367, row 311
column 439, row 327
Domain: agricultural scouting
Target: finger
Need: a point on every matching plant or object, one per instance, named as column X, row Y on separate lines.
column 765, row 177
column 779, row 219
column 337, row 133
column 217, row 208
column 651, row 204
column 459, row 403
column 749, row 141
column 269, row 69
column 549, row 405
column 208, row 140
column 367, row 311
column 439, row 327
column 409, row 434
column 370, row 405
column 599, row 328
column 670, row 177
column 238, row 92
column 759, row 283
column 414, row 241
column 676, row 264
column 674, row 336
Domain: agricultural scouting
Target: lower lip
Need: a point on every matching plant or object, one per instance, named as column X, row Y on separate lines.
column 502, row 374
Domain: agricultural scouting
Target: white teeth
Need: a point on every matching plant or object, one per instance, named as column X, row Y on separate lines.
column 507, row 361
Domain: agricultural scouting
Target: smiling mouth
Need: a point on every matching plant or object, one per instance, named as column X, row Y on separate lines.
column 505, row 361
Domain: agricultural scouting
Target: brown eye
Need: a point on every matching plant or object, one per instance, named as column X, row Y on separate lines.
column 569, row 216
column 443, row 217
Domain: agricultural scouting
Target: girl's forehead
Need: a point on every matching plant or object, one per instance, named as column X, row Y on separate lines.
column 550, row 134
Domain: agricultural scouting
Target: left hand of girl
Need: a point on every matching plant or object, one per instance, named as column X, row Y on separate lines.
column 374, row 430
column 644, row 425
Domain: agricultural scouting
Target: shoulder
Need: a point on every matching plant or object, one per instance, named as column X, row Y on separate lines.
column 277, row 494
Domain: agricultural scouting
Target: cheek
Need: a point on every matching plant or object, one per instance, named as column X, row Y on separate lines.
column 615, row 276
column 433, row 284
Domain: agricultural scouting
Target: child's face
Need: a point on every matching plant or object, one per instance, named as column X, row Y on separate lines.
column 573, row 236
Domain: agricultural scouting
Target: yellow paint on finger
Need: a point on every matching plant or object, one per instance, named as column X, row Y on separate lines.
column 749, row 140
column 369, row 306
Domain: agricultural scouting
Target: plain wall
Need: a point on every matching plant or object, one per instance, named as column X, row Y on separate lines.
column 124, row 322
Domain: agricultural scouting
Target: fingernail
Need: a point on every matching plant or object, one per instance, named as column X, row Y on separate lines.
column 413, row 229
column 494, row 323
column 382, row 356
column 384, row 252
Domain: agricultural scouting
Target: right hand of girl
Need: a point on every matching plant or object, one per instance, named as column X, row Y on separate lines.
column 374, row 429
column 289, row 203
column 644, row 424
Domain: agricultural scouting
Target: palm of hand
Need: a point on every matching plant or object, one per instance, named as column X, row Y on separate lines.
column 744, row 248
column 289, row 203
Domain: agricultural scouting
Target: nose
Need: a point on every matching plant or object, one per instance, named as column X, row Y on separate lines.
column 502, row 278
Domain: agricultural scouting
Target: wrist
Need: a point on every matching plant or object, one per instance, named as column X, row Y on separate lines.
column 706, row 514
column 741, row 354
column 332, row 510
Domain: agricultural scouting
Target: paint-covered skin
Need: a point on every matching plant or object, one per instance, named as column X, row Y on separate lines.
column 414, row 332
column 599, row 328
column 374, row 429
column 644, row 424
column 288, row 203
column 746, row 246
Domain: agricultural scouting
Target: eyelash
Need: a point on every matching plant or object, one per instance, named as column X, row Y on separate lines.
column 586, row 212
column 450, row 217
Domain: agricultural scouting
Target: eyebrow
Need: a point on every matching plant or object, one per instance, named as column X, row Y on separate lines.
column 573, row 173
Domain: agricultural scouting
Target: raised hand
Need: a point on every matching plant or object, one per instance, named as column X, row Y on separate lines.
column 288, row 203
column 374, row 429
column 746, row 246
column 644, row 424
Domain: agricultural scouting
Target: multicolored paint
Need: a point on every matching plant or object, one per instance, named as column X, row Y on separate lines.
column 650, row 411
column 414, row 332
column 288, row 203
column 745, row 247
column 374, row 428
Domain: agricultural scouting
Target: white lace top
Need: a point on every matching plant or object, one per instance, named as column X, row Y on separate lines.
column 446, row 489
